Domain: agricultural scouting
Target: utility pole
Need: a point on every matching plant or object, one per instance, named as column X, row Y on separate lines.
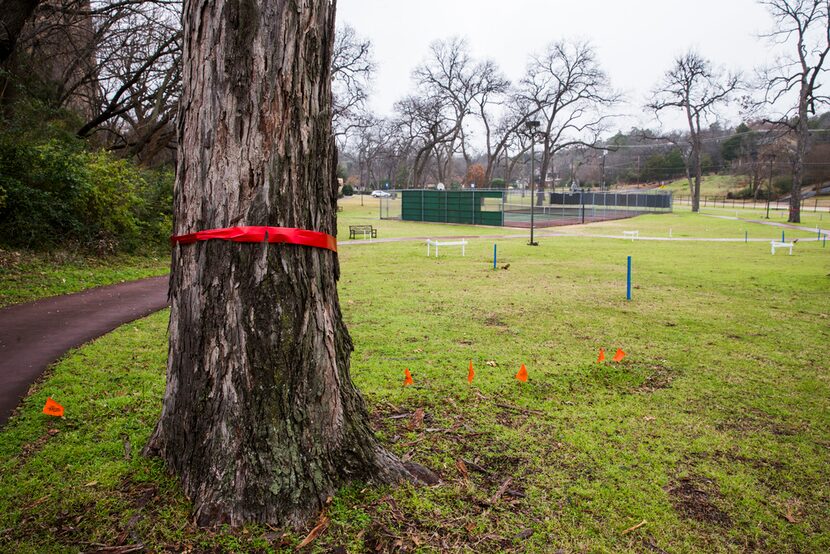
column 602, row 174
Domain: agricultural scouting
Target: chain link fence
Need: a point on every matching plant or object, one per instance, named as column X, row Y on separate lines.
column 513, row 208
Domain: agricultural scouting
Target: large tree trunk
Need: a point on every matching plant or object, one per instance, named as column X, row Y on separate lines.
column 260, row 418
column 698, row 179
column 13, row 15
column 802, row 135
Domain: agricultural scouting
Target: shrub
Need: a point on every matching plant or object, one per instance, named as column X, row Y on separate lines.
column 57, row 193
column 347, row 190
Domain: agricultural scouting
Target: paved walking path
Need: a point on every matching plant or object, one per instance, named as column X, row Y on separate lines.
column 35, row 334
column 767, row 222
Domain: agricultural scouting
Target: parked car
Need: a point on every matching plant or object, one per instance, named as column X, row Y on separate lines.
column 380, row 194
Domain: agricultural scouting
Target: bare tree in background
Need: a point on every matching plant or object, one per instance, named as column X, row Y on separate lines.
column 463, row 88
column 352, row 69
column 565, row 89
column 804, row 26
column 422, row 122
column 694, row 86
column 115, row 63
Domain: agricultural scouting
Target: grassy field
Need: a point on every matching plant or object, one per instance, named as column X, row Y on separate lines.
column 711, row 185
column 714, row 430
column 26, row 276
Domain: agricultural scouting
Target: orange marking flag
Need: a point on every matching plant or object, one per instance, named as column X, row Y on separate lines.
column 619, row 355
column 601, row 357
column 470, row 373
column 52, row 408
column 407, row 380
column 522, row 375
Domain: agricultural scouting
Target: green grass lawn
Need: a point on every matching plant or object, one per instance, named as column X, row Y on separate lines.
column 710, row 185
column 714, row 430
column 684, row 224
column 26, row 275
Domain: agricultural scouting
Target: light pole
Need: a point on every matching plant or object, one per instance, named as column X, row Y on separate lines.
column 532, row 125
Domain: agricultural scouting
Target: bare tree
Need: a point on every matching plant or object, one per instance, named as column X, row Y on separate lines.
column 694, row 86
column 461, row 87
column 115, row 63
column 566, row 90
column 423, row 123
column 352, row 69
column 260, row 418
column 804, row 26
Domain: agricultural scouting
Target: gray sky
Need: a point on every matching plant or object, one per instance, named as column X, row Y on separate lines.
column 636, row 40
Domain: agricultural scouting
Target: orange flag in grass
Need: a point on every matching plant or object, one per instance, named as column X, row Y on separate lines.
column 407, row 380
column 522, row 374
column 601, row 357
column 470, row 373
column 619, row 355
column 52, row 408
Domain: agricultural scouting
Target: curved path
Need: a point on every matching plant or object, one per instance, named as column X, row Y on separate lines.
column 35, row 334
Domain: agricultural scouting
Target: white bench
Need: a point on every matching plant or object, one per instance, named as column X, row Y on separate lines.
column 632, row 234
column 776, row 244
column 436, row 244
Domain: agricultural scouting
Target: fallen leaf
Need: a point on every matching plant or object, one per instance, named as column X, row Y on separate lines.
column 314, row 533
column 491, row 363
column 789, row 515
column 462, row 468
column 417, row 419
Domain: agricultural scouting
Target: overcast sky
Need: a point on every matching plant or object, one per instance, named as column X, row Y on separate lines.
column 636, row 40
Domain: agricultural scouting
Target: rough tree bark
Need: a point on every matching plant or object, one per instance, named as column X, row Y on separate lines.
column 260, row 418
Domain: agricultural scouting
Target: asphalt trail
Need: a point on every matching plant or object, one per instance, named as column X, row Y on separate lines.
column 35, row 334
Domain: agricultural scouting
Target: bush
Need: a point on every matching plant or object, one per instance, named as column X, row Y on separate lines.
column 497, row 183
column 347, row 190
column 56, row 193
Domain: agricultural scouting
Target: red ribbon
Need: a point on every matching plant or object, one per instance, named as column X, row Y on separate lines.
column 287, row 235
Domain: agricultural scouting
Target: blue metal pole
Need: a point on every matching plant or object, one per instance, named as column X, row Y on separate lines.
column 628, row 281
column 782, row 237
column 494, row 256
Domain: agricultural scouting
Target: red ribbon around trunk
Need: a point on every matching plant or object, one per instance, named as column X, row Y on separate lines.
column 287, row 235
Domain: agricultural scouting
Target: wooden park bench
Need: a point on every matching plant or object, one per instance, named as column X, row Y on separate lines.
column 777, row 244
column 462, row 243
column 365, row 229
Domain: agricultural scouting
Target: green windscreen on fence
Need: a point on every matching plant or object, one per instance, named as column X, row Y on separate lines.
column 453, row 206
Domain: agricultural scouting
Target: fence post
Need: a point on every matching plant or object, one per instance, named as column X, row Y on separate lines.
column 582, row 201
column 628, row 281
